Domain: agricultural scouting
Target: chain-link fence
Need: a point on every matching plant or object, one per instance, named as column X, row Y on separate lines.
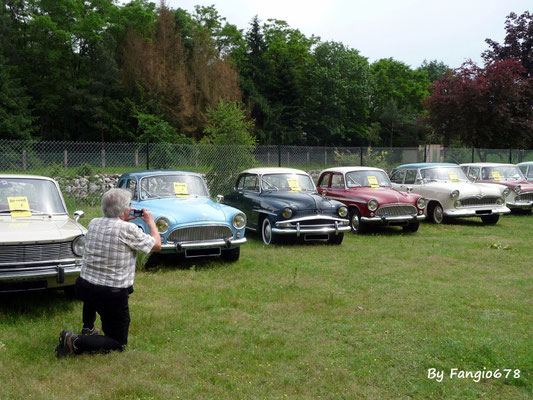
column 68, row 160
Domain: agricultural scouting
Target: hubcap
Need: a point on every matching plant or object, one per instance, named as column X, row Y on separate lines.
column 267, row 232
column 438, row 214
column 355, row 222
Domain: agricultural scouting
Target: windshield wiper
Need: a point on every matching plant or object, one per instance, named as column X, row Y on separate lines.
column 25, row 209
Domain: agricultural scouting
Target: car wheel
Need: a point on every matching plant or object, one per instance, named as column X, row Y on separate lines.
column 490, row 219
column 355, row 222
column 266, row 232
column 336, row 239
column 412, row 227
column 231, row 255
column 436, row 214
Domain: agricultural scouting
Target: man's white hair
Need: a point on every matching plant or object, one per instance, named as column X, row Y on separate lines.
column 115, row 202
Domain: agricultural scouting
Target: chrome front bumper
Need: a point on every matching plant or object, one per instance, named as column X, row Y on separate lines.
column 476, row 212
column 392, row 220
column 524, row 205
column 55, row 275
column 208, row 244
column 336, row 226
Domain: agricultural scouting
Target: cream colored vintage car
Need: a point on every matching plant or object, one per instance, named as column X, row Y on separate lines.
column 449, row 193
column 40, row 245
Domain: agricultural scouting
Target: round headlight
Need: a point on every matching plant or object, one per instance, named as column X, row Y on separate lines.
column 506, row 192
column 239, row 221
column 372, row 204
column 421, row 203
column 457, row 203
column 286, row 213
column 342, row 211
column 162, row 225
column 78, row 245
column 455, row 194
column 518, row 189
column 500, row 201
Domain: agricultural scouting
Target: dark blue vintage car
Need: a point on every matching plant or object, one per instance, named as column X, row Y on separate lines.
column 284, row 201
column 189, row 222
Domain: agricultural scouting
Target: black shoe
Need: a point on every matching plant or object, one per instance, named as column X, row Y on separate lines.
column 65, row 346
column 90, row 332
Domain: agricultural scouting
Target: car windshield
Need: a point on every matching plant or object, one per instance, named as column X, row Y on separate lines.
column 502, row 173
column 453, row 174
column 288, row 182
column 370, row 178
column 28, row 196
column 159, row 186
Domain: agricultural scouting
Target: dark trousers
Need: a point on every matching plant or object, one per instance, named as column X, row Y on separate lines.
column 112, row 305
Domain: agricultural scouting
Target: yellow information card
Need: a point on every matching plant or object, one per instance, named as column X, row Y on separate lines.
column 294, row 185
column 496, row 175
column 372, row 180
column 453, row 177
column 181, row 189
column 19, row 206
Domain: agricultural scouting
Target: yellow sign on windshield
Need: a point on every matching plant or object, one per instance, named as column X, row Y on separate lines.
column 181, row 189
column 19, row 206
column 496, row 175
column 373, row 182
column 453, row 177
column 294, row 185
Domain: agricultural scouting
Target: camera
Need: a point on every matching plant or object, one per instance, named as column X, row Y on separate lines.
column 136, row 213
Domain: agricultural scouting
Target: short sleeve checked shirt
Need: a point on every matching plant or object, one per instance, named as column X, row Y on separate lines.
column 110, row 252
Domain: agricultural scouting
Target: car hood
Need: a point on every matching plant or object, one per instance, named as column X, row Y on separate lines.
column 38, row 229
column 299, row 200
column 186, row 211
column 524, row 185
column 383, row 195
column 467, row 189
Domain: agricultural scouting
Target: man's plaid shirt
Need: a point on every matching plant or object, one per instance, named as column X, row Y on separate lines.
column 110, row 252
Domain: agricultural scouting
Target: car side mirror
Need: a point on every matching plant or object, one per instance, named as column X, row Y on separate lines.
column 78, row 214
column 220, row 198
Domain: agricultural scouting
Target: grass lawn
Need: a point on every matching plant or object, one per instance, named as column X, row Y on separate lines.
column 365, row 319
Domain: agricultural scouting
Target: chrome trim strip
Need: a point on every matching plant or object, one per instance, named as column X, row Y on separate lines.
column 289, row 231
column 37, row 273
column 65, row 260
column 472, row 212
column 393, row 219
column 206, row 244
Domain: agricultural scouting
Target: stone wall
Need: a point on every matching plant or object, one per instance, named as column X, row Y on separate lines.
column 82, row 187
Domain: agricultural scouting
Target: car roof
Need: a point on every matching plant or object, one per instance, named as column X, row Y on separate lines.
column 345, row 170
column 273, row 170
column 525, row 163
column 152, row 172
column 426, row 165
column 26, row 176
column 486, row 164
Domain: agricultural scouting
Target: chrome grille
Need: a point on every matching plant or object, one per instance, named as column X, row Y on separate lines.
column 316, row 222
column 41, row 252
column 200, row 233
column 398, row 210
column 479, row 201
column 525, row 197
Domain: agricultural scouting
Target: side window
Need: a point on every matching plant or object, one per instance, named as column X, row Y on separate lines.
column 397, row 177
column 523, row 168
column 337, row 181
column 240, row 183
column 473, row 174
column 324, row 181
column 410, row 176
column 132, row 187
column 251, row 182
column 121, row 183
column 530, row 172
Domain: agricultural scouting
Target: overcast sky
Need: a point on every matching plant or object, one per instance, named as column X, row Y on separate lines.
column 450, row 31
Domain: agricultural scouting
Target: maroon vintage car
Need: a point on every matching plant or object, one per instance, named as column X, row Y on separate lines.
column 370, row 198
column 521, row 191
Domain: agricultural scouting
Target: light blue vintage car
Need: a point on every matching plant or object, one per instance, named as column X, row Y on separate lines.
column 189, row 222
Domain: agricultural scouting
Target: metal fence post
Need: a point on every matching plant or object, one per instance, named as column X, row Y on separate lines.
column 308, row 158
column 325, row 156
column 510, row 156
column 361, row 155
column 268, row 158
column 472, row 154
column 136, row 158
column 24, row 161
column 426, row 153
column 279, row 155
column 103, row 157
column 148, row 155
column 65, row 158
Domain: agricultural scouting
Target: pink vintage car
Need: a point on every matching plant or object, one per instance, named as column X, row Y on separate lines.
column 370, row 198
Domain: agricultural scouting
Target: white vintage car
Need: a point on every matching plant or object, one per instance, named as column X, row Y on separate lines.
column 509, row 175
column 449, row 193
column 40, row 246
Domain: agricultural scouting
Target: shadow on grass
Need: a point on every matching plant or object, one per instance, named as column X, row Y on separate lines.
column 158, row 262
column 44, row 303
